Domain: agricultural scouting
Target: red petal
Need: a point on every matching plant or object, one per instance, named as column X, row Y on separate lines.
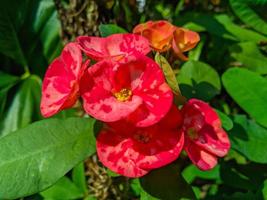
column 115, row 46
column 60, row 86
column 156, row 94
column 202, row 159
column 116, row 153
column 93, row 46
column 127, row 149
column 97, row 93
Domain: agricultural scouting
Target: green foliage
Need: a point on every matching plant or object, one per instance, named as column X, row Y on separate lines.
column 199, row 80
column 249, row 90
column 109, row 29
column 35, row 157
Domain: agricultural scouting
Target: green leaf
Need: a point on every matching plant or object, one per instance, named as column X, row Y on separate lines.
column 249, row 16
column 30, row 33
column 109, row 29
column 35, row 157
column 7, row 81
column 63, row 189
column 219, row 25
column 25, row 106
column 166, row 183
column 199, row 80
column 226, row 121
column 168, row 72
column 191, row 172
column 249, row 90
column 249, row 138
column 250, row 56
column 78, row 177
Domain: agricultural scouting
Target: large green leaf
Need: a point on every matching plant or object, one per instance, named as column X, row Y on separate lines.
column 249, row 138
column 25, row 106
column 248, row 15
column 35, row 157
column 250, row 56
column 63, row 189
column 249, row 90
column 167, row 183
column 199, row 80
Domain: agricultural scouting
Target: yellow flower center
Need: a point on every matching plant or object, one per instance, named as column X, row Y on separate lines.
column 123, row 95
column 191, row 132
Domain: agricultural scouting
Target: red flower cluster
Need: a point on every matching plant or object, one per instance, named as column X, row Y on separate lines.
column 126, row 89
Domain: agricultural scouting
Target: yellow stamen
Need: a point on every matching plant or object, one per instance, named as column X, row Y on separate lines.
column 123, row 95
column 192, row 133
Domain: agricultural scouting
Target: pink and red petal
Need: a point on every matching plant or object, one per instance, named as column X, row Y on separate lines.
column 98, row 93
column 115, row 47
column 115, row 152
column 202, row 159
column 60, row 86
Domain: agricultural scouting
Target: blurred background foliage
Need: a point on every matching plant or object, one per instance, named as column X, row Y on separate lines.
column 228, row 68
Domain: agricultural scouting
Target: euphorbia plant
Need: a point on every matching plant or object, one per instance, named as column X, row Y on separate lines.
column 126, row 89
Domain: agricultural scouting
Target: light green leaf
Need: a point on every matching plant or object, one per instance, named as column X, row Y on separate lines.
column 35, row 157
column 243, row 10
column 166, row 183
column 25, row 106
column 249, row 90
column 250, row 56
column 249, row 138
column 226, row 121
column 109, row 29
column 199, row 80
column 63, row 189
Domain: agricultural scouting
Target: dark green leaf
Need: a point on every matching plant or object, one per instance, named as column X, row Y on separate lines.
column 35, row 157
column 109, row 29
column 249, row 90
column 25, row 106
column 166, row 183
column 249, row 138
column 199, row 80
column 63, row 189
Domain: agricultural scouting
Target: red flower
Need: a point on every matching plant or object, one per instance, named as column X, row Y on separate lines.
column 205, row 139
column 60, row 87
column 115, row 46
column 133, row 152
column 134, row 90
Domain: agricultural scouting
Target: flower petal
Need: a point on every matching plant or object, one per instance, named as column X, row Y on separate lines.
column 116, row 152
column 97, row 93
column 202, row 159
column 156, row 94
column 60, row 86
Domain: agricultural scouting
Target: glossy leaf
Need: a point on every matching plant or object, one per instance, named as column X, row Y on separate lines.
column 109, row 29
column 199, row 80
column 166, row 183
column 35, row 157
column 24, row 107
column 249, row 90
column 63, row 189
column 78, row 177
column 226, row 121
column 249, row 138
